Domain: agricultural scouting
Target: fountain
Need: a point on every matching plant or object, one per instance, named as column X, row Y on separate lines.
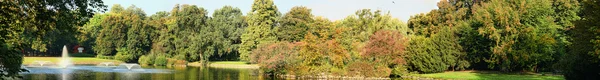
column 130, row 66
column 40, row 63
column 106, row 64
column 65, row 61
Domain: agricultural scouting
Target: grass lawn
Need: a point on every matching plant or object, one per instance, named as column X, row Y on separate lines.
column 232, row 64
column 75, row 60
column 490, row 75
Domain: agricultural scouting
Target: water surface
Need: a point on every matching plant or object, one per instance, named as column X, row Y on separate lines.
column 91, row 72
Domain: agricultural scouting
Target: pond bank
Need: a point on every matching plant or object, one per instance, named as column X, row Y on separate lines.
column 325, row 77
column 490, row 75
column 75, row 60
column 227, row 64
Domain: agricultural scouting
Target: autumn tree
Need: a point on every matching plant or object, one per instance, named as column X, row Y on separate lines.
column 386, row 48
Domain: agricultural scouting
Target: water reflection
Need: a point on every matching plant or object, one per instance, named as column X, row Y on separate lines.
column 150, row 73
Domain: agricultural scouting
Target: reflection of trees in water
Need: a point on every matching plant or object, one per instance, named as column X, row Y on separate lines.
column 103, row 76
column 129, row 76
column 182, row 73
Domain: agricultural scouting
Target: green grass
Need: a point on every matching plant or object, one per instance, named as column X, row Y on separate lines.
column 75, row 60
column 490, row 75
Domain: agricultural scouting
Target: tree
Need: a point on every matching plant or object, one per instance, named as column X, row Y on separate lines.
column 163, row 35
column 386, row 48
column 228, row 24
column 190, row 39
column 582, row 59
column 294, row 24
column 363, row 24
column 261, row 20
column 524, row 36
column 423, row 56
column 113, row 32
column 276, row 58
column 25, row 23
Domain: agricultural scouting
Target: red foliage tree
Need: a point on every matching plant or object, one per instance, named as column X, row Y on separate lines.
column 385, row 46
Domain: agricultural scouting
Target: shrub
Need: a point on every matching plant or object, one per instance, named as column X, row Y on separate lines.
column 161, row 60
column 146, row 59
column 171, row 61
column 367, row 69
column 273, row 58
column 423, row 57
column 124, row 55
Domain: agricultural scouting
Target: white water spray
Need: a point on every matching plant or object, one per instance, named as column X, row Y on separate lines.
column 65, row 61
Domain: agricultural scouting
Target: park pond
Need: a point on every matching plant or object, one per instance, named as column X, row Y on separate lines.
column 95, row 72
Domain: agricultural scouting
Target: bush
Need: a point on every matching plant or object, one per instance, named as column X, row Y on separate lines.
column 273, row 58
column 142, row 60
column 368, row 69
column 171, row 61
column 146, row 59
column 104, row 57
column 124, row 55
column 423, row 57
column 161, row 60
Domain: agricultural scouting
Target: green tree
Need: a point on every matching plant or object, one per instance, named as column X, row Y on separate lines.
column 524, row 35
column 227, row 25
column 190, row 39
column 582, row 59
column 113, row 32
column 294, row 24
column 424, row 57
column 25, row 23
column 261, row 20
column 363, row 24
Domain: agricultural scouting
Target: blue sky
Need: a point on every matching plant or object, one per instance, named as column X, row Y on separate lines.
column 332, row 9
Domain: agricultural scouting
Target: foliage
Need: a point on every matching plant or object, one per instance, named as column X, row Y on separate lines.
column 423, row 56
column 524, row 35
column 276, row 58
column 122, row 28
column 124, row 55
column 386, row 48
column 143, row 60
column 27, row 24
column 8, row 62
column 367, row 69
column 359, row 27
column 261, row 20
column 294, row 24
column 161, row 60
column 226, row 26
column 583, row 56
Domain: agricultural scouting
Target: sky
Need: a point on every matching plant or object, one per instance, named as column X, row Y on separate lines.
column 332, row 9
